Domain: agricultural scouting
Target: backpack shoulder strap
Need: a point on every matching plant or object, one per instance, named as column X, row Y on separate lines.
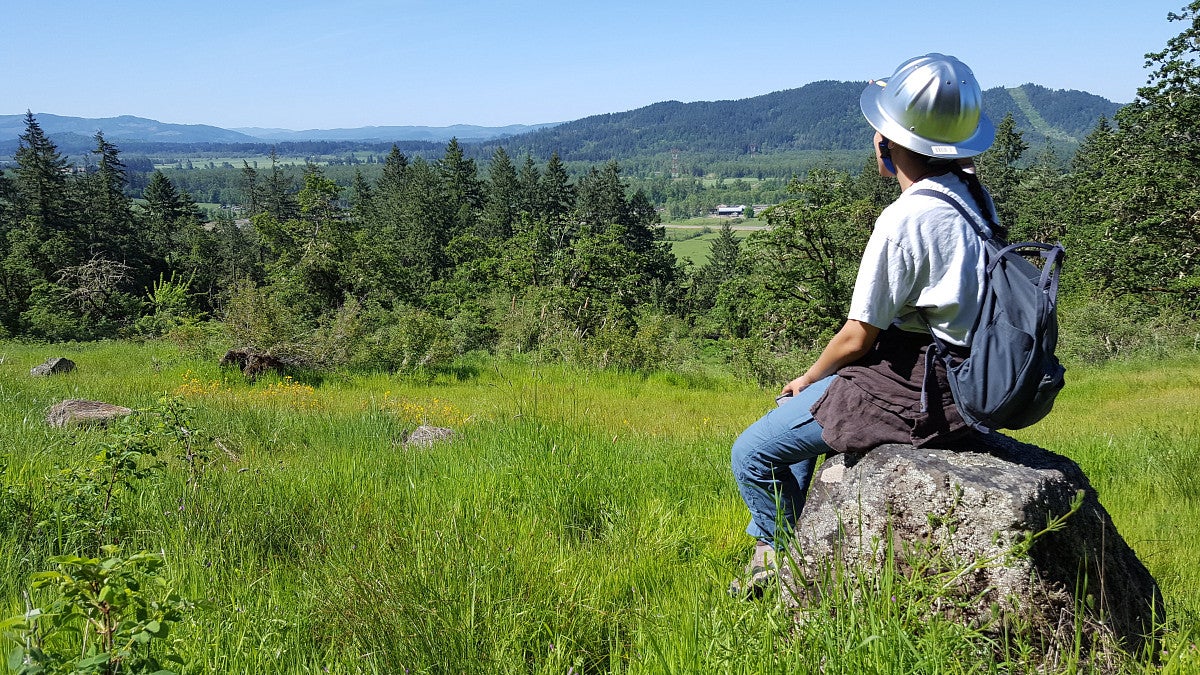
column 970, row 218
column 939, row 347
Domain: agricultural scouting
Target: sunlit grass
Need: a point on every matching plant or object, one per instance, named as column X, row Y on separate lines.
column 578, row 519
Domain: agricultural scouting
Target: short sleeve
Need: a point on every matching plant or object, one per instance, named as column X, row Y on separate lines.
column 886, row 277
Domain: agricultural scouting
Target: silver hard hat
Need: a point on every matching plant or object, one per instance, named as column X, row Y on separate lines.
column 931, row 105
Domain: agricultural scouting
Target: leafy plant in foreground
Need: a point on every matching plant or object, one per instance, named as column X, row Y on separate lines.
column 105, row 615
column 84, row 502
column 110, row 613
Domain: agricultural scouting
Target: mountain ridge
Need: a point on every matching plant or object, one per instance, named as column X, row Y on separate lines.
column 146, row 130
column 820, row 115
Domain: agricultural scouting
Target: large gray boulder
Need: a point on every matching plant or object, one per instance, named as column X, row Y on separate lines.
column 969, row 512
column 77, row 411
column 53, row 366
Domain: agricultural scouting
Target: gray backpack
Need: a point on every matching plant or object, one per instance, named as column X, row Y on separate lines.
column 1011, row 377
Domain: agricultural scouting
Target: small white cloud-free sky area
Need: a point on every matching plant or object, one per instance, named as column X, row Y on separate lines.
column 306, row 64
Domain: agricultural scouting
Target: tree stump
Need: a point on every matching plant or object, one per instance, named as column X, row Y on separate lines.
column 251, row 362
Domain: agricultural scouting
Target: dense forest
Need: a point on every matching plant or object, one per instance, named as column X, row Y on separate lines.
column 412, row 258
column 821, row 116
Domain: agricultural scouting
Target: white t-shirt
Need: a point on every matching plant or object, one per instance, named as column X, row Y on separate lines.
column 923, row 254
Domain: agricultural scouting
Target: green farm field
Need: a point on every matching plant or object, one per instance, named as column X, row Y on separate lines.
column 578, row 522
column 692, row 240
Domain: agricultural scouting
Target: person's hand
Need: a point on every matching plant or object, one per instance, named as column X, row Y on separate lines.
column 795, row 386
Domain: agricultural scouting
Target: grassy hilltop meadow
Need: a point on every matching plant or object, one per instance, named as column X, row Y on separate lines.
column 579, row 519
column 565, row 299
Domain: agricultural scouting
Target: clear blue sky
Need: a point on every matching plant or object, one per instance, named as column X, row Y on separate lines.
column 306, row 64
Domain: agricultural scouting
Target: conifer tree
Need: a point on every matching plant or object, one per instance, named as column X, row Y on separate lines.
column 110, row 230
column 279, row 199
column 361, row 197
column 252, row 195
column 997, row 168
column 42, row 235
column 461, row 187
column 1137, row 230
column 395, row 169
column 601, row 199
column 503, row 198
column 41, row 179
column 557, row 201
column 530, row 186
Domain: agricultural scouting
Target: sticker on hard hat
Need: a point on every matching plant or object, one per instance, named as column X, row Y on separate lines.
column 943, row 149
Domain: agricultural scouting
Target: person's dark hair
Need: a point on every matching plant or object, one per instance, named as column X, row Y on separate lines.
column 981, row 200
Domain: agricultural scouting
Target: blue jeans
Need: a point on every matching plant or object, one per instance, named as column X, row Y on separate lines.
column 773, row 463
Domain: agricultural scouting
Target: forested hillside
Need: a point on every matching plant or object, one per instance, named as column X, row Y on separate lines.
column 821, row 116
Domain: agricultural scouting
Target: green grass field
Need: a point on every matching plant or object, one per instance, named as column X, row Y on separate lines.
column 578, row 522
column 692, row 240
column 260, row 161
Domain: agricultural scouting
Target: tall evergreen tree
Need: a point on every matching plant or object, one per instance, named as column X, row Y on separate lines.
column 395, row 169
column 42, row 236
column 1042, row 200
column 110, row 231
column 503, row 198
column 10, row 283
column 997, row 168
column 165, row 205
column 461, row 187
column 601, row 199
column 361, row 198
column 279, row 199
column 530, row 186
column 252, row 191
column 41, row 179
column 557, row 195
column 1138, row 227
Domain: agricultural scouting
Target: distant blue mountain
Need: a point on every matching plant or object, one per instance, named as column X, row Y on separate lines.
column 463, row 132
column 123, row 128
column 72, row 131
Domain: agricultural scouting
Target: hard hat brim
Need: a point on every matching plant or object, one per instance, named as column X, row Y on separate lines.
column 872, row 108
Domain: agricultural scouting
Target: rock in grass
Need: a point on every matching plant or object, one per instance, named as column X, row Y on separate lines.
column 425, row 436
column 53, row 366
column 80, row 411
column 965, row 514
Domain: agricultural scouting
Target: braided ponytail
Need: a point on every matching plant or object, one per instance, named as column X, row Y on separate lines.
column 981, row 200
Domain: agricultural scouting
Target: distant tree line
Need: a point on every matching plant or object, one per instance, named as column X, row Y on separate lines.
column 428, row 259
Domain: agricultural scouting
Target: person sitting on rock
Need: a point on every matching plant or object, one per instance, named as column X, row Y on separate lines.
column 923, row 258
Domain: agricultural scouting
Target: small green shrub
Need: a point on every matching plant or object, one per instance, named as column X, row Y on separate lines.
column 106, row 615
column 254, row 317
column 171, row 307
column 1095, row 329
column 410, row 340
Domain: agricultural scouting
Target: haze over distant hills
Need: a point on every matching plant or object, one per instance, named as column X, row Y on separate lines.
column 126, row 128
column 818, row 116
column 463, row 132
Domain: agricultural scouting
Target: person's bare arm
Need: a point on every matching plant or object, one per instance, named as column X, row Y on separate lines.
column 850, row 343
